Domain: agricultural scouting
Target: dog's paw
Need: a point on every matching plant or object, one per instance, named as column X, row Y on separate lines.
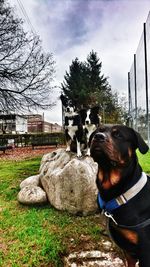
column 88, row 153
column 79, row 155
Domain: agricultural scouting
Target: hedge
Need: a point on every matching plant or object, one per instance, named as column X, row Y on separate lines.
column 26, row 139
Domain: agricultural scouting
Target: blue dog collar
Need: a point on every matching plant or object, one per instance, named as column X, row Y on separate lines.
column 124, row 198
column 107, row 206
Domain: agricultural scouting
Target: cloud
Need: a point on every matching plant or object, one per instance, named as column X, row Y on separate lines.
column 65, row 23
column 72, row 28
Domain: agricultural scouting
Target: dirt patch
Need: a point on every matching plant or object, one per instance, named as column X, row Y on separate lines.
column 93, row 258
column 20, row 153
column 88, row 250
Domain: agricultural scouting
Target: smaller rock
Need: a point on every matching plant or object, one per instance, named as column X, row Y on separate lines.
column 92, row 258
column 32, row 180
column 107, row 245
column 32, row 195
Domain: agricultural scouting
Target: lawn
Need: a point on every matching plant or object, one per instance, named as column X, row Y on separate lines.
column 40, row 236
column 145, row 161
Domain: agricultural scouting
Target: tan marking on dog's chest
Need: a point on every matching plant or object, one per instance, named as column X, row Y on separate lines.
column 113, row 178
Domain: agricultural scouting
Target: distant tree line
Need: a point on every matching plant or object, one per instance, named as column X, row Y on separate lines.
column 86, row 86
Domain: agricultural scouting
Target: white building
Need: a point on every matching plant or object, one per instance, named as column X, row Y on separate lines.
column 13, row 123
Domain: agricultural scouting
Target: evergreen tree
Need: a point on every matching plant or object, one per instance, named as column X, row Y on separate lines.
column 86, row 86
column 97, row 81
column 74, row 87
column 99, row 89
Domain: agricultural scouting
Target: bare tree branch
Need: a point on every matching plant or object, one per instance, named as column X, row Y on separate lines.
column 26, row 72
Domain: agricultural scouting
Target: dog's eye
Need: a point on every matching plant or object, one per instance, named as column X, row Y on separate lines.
column 117, row 134
column 102, row 129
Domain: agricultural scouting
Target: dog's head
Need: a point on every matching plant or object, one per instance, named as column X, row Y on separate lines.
column 113, row 148
column 69, row 108
column 116, row 145
column 90, row 116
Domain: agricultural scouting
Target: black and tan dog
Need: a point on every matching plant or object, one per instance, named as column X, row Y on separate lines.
column 124, row 190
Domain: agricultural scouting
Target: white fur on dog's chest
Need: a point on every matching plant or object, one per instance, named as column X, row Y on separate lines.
column 72, row 130
column 90, row 129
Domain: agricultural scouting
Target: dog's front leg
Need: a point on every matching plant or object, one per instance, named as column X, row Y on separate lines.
column 144, row 247
column 130, row 261
column 79, row 154
column 88, row 147
column 88, row 151
column 68, row 143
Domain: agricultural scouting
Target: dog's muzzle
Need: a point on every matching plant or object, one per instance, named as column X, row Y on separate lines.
column 100, row 137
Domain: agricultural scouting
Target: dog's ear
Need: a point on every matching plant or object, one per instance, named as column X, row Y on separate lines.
column 142, row 146
column 95, row 109
column 64, row 100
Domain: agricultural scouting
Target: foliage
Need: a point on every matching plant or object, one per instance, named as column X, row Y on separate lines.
column 26, row 139
column 86, row 86
column 74, row 86
column 26, row 72
column 84, row 80
column 144, row 161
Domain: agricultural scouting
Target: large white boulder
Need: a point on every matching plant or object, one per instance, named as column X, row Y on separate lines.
column 69, row 182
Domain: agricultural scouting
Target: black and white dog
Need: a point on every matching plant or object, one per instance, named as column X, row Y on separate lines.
column 91, row 121
column 79, row 125
column 73, row 126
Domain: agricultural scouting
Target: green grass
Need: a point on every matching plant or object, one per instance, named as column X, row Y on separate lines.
column 144, row 161
column 40, row 236
column 36, row 236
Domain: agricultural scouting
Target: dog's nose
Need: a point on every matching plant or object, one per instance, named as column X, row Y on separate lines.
column 87, row 122
column 100, row 137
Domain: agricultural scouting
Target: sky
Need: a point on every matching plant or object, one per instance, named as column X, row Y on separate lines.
column 73, row 28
